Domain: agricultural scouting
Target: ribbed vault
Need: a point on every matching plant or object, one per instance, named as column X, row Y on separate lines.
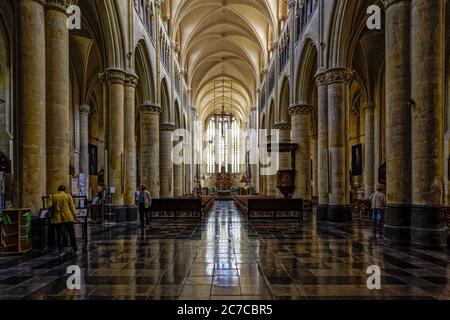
column 223, row 47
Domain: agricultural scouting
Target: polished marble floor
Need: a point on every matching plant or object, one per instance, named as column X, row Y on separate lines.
column 225, row 257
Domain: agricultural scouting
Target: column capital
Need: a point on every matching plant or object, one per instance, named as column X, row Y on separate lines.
column 282, row 126
column 131, row 80
column 113, row 75
column 388, row 3
column 84, row 109
column 253, row 109
column 369, row 107
column 149, row 108
column 60, row 5
column 300, row 109
column 339, row 75
column 291, row 3
column 167, row 127
column 157, row 3
column 321, row 78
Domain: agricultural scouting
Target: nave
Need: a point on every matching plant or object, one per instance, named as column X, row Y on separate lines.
column 226, row 257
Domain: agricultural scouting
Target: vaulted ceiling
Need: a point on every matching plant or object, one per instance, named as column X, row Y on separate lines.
column 223, row 44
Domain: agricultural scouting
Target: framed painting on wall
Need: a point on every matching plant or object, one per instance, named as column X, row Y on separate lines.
column 357, row 160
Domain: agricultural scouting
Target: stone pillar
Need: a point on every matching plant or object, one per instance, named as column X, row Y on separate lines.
column 322, row 145
column 31, row 61
column 84, row 144
column 338, row 98
column 284, row 133
column 315, row 171
column 116, row 79
column 272, row 168
column 130, row 139
column 398, row 123
column 57, row 87
column 301, row 120
column 178, row 169
column 165, row 158
column 369, row 153
column 428, row 223
column 149, row 147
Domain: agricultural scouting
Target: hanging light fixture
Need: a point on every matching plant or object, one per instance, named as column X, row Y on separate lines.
column 223, row 114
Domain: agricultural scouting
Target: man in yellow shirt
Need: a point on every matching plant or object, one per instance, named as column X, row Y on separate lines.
column 64, row 216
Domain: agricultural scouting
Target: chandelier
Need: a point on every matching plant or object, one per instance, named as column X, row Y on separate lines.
column 223, row 117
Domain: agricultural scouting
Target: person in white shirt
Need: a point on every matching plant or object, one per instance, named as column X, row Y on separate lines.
column 378, row 203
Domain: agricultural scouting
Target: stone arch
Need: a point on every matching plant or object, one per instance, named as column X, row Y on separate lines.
column 165, row 102
column 347, row 22
column 306, row 73
column 6, row 92
column 271, row 120
column 113, row 33
column 146, row 84
column 283, row 115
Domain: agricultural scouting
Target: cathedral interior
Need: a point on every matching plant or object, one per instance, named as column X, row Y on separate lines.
column 262, row 130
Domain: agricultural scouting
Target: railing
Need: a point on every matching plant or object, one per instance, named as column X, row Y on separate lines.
column 305, row 10
column 284, row 45
column 177, row 77
column 165, row 47
column 147, row 16
column 262, row 101
column 272, row 75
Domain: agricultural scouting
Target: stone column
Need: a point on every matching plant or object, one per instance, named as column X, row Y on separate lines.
column 130, row 139
column 301, row 120
column 428, row 223
column 165, row 158
column 338, row 98
column 398, row 123
column 57, row 88
column 149, row 147
column 315, row 171
column 322, row 145
column 272, row 167
column 116, row 79
column 284, row 158
column 178, row 169
column 84, row 144
column 369, row 153
column 31, row 62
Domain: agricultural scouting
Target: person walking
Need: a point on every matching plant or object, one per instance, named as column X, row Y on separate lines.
column 144, row 202
column 378, row 203
column 64, row 216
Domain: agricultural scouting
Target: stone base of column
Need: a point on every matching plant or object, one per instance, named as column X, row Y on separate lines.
column 322, row 212
column 397, row 225
column 428, row 227
column 339, row 214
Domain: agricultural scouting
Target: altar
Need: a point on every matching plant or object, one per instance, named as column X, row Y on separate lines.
column 223, row 183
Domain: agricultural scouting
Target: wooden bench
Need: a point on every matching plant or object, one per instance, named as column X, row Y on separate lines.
column 256, row 207
column 182, row 207
column 275, row 208
column 241, row 202
column 171, row 208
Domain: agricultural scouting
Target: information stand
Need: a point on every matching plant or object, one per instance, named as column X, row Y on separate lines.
column 82, row 212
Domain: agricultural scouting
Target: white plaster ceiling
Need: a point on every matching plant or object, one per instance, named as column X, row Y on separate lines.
column 223, row 42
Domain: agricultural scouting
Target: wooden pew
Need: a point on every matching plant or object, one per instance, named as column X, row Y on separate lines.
column 171, row 208
column 275, row 208
column 267, row 207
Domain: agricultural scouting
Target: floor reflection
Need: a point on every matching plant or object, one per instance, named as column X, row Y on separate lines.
column 225, row 257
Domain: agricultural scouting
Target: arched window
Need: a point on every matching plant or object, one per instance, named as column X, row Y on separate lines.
column 223, row 150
